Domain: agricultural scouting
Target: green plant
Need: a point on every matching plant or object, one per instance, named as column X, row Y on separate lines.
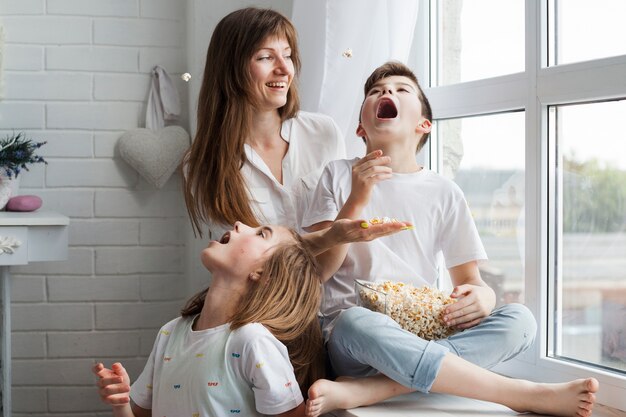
column 17, row 152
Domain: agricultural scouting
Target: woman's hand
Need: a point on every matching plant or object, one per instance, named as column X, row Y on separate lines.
column 349, row 231
column 475, row 302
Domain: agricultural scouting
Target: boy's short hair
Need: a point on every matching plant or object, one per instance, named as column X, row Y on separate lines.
column 391, row 68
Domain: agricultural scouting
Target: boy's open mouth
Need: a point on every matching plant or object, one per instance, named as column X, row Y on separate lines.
column 386, row 109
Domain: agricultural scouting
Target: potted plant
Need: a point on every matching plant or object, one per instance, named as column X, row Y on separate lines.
column 17, row 152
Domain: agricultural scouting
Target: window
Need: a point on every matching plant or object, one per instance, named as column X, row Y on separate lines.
column 484, row 155
column 581, row 30
column 479, row 39
column 590, row 307
column 510, row 116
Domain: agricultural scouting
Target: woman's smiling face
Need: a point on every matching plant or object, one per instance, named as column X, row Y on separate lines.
column 272, row 72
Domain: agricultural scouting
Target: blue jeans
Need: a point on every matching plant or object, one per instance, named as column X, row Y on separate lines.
column 364, row 343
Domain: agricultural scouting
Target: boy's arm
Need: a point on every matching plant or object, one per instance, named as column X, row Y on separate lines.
column 476, row 299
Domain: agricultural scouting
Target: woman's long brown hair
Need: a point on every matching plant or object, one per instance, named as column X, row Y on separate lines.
column 214, row 188
column 285, row 300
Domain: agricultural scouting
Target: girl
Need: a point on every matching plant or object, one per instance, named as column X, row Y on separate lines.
column 233, row 347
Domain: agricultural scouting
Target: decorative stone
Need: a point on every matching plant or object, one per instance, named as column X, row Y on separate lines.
column 24, row 203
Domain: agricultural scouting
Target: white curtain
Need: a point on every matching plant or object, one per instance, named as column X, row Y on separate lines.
column 342, row 42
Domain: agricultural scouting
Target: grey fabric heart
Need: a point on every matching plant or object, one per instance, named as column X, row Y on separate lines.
column 155, row 155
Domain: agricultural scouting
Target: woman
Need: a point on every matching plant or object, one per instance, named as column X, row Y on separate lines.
column 255, row 157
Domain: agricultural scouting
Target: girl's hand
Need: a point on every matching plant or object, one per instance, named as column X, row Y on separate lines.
column 113, row 384
column 367, row 172
column 474, row 303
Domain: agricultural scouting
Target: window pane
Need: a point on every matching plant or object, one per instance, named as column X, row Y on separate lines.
column 485, row 157
column 584, row 30
column 591, row 185
column 479, row 39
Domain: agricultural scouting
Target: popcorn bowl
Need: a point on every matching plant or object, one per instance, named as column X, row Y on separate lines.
column 418, row 310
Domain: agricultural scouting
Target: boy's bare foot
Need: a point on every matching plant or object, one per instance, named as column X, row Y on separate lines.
column 570, row 399
column 326, row 395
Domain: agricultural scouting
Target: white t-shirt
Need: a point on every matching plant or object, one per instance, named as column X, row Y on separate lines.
column 433, row 204
column 314, row 140
column 216, row 372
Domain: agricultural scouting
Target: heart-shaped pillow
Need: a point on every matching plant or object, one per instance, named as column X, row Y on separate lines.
column 155, row 155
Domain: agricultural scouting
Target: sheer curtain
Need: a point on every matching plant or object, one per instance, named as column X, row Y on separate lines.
column 342, row 42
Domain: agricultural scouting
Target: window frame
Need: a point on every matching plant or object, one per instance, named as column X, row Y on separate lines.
column 532, row 91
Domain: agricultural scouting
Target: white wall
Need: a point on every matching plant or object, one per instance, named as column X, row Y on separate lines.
column 76, row 73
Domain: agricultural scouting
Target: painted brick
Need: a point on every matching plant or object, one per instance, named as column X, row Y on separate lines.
column 104, row 232
column 47, row 86
column 20, row 116
column 74, row 399
column 79, row 262
column 66, row 144
column 117, row 316
column 163, row 9
column 137, row 32
column 121, row 8
column 27, row 289
column 92, row 58
column 35, row 177
column 161, row 231
column 23, row 58
column 52, row 372
column 52, row 317
column 105, row 116
column 101, row 288
column 133, row 87
column 28, row 345
column 22, row 7
column 114, row 203
column 105, row 144
column 89, row 173
column 172, row 59
column 50, row 30
column 133, row 260
column 92, row 344
column 29, row 400
column 163, row 287
column 72, row 203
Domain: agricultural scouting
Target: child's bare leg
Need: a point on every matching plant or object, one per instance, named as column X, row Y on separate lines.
column 345, row 393
column 459, row 377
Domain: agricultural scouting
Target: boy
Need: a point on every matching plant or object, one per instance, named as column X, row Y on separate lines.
column 395, row 125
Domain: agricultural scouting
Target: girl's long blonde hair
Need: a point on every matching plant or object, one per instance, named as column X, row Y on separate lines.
column 214, row 188
column 285, row 300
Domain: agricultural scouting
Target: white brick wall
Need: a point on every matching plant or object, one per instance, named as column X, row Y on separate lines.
column 76, row 74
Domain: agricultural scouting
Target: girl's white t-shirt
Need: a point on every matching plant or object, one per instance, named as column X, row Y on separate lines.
column 216, row 372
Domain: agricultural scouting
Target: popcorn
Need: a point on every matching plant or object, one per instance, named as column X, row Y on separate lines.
column 418, row 310
column 378, row 220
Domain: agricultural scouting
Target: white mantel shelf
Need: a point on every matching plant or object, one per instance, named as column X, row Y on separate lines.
column 37, row 218
column 25, row 237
